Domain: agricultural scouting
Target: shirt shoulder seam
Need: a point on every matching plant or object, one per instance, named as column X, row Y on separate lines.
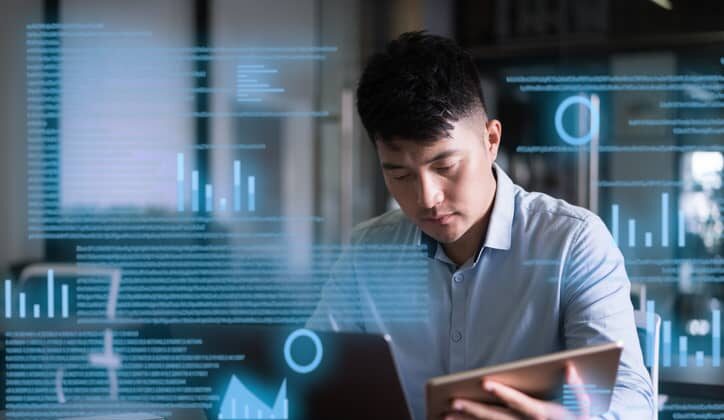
column 570, row 214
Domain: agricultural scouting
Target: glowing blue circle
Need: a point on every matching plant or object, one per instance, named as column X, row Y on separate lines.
column 593, row 128
column 303, row 332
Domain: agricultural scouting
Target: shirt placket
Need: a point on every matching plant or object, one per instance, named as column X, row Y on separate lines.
column 457, row 324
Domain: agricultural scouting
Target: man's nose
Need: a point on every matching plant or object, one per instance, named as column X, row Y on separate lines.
column 429, row 192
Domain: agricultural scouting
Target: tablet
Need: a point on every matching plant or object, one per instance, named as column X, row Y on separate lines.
column 541, row 377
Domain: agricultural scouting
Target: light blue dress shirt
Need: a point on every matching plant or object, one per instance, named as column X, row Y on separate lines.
column 548, row 277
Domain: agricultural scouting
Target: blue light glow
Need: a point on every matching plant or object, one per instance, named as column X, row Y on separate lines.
column 288, row 351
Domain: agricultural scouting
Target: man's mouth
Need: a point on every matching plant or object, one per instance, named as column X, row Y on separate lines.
column 440, row 219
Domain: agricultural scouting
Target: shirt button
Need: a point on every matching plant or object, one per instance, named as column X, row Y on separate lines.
column 458, row 278
column 457, row 336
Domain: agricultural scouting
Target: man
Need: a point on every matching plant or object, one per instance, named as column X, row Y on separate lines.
column 490, row 300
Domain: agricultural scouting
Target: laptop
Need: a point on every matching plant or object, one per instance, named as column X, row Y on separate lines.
column 323, row 375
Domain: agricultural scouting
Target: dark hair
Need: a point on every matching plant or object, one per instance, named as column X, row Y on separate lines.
column 417, row 87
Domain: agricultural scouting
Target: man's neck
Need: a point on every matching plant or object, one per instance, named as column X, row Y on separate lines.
column 468, row 245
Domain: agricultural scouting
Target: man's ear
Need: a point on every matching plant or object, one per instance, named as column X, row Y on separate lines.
column 494, row 130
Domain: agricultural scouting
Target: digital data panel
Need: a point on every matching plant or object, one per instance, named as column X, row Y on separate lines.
column 185, row 174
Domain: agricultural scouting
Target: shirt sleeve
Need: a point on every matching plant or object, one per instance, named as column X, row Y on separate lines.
column 339, row 306
column 598, row 309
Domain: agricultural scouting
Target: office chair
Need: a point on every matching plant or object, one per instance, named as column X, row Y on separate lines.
column 640, row 319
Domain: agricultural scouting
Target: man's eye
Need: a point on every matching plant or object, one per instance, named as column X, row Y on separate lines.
column 401, row 177
column 446, row 168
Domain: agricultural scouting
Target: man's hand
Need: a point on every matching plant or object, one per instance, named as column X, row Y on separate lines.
column 519, row 405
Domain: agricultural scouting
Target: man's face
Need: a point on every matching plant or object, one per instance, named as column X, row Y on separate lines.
column 445, row 186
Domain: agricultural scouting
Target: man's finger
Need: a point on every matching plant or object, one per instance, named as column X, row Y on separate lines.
column 459, row 416
column 515, row 399
column 576, row 384
column 482, row 411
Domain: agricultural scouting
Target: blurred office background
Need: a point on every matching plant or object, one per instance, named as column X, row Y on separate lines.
column 653, row 171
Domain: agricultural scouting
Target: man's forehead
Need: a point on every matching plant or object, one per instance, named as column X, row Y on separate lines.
column 463, row 131
column 408, row 154
column 415, row 146
column 416, row 149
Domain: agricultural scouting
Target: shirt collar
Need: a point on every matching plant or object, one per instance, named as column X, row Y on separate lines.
column 500, row 226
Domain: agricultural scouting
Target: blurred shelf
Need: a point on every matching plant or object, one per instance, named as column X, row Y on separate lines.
column 587, row 44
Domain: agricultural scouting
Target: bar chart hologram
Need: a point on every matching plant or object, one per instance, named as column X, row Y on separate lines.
column 207, row 198
column 650, row 238
column 684, row 344
column 16, row 301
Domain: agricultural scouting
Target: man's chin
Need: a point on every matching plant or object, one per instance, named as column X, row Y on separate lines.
column 444, row 235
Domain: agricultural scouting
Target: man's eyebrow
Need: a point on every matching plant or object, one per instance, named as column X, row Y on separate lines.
column 439, row 156
column 443, row 155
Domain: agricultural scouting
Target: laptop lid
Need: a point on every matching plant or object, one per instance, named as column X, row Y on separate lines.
column 321, row 375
